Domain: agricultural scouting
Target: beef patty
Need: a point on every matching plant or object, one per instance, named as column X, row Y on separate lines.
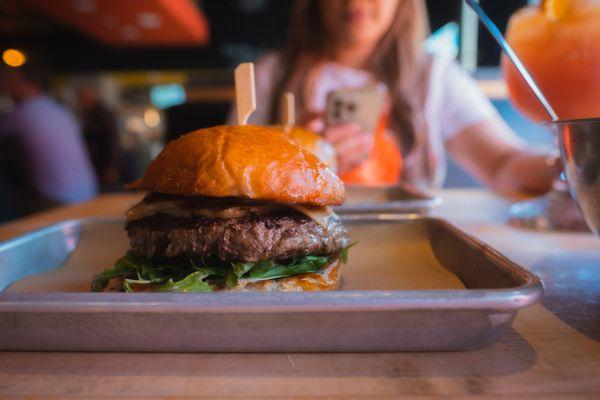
column 277, row 235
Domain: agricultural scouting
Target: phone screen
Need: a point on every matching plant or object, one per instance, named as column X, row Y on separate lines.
column 362, row 106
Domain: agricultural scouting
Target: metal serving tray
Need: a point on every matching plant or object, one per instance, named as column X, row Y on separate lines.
column 403, row 289
column 400, row 199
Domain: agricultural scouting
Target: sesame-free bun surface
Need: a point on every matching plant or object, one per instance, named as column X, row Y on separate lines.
column 255, row 162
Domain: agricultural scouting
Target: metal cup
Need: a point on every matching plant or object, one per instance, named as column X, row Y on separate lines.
column 579, row 143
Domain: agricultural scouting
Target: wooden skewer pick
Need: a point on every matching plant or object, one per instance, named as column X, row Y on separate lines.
column 245, row 93
column 288, row 112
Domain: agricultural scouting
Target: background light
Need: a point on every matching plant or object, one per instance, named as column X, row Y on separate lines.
column 165, row 96
column 13, row 57
column 149, row 20
column 151, row 117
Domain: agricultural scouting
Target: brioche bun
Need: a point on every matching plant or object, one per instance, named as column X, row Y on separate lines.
column 327, row 279
column 247, row 161
column 316, row 144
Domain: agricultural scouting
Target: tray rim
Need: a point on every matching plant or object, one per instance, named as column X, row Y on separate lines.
column 421, row 204
column 504, row 299
column 398, row 206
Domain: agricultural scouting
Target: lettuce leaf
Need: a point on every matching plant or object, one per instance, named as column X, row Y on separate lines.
column 137, row 272
column 264, row 270
column 122, row 268
column 203, row 275
column 238, row 269
column 343, row 254
column 192, row 283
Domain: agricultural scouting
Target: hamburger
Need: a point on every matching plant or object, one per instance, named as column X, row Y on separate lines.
column 232, row 208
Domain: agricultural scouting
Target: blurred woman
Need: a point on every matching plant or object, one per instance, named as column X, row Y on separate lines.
column 434, row 106
column 50, row 146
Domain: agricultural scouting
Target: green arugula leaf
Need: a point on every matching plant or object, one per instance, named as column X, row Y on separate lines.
column 191, row 283
column 123, row 267
column 344, row 252
column 264, row 270
column 238, row 269
column 202, row 275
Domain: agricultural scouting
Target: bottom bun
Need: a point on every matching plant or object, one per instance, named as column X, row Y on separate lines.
column 327, row 279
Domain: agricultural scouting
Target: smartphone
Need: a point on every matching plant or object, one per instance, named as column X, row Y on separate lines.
column 362, row 106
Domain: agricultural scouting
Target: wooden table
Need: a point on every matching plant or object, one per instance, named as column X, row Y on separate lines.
column 553, row 351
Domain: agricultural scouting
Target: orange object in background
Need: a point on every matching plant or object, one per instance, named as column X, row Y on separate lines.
column 384, row 165
column 132, row 22
column 559, row 43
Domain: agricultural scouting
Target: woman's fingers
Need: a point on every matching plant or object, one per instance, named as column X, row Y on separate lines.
column 315, row 125
column 356, row 151
column 341, row 132
column 313, row 121
column 352, row 146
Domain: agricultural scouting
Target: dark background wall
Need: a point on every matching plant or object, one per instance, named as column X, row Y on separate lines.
column 240, row 30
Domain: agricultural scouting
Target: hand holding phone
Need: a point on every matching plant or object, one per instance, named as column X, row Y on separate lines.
column 360, row 106
column 351, row 118
column 352, row 144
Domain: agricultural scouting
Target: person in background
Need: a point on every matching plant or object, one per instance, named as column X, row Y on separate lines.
column 434, row 107
column 49, row 141
column 101, row 134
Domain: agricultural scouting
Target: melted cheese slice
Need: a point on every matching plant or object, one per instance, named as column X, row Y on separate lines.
column 143, row 209
column 318, row 214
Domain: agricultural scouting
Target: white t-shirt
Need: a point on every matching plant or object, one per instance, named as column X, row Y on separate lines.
column 453, row 101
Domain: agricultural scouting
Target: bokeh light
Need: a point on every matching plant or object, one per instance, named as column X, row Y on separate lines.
column 13, row 57
column 151, row 117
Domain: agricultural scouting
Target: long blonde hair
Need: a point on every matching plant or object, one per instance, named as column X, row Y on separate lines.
column 397, row 61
